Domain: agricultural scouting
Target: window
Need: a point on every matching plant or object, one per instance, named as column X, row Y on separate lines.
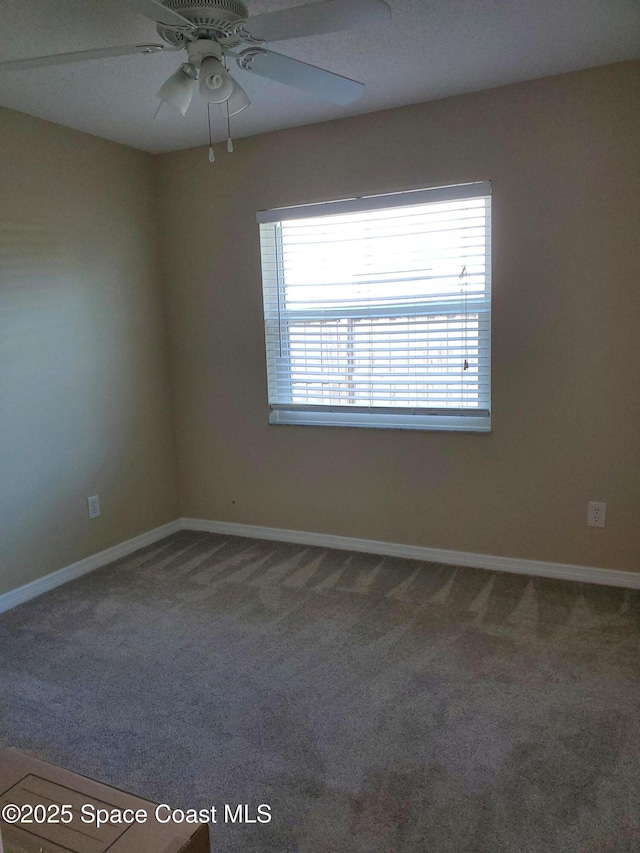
column 378, row 310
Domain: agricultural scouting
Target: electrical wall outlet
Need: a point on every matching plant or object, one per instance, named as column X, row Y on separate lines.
column 94, row 506
column 596, row 513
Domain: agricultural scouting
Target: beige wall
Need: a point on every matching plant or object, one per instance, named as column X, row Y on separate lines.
column 84, row 391
column 562, row 154
column 85, row 404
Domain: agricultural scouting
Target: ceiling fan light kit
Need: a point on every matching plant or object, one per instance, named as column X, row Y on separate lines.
column 209, row 30
column 179, row 88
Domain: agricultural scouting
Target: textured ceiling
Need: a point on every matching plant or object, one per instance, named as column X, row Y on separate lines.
column 434, row 48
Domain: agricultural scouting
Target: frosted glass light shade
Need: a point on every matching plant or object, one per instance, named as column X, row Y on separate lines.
column 178, row 91
column 238, row 101
column 216, row 85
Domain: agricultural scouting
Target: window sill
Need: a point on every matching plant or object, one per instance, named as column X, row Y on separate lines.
column 367, row 420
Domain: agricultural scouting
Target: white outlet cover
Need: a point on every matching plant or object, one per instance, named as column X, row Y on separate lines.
column 596, row 513
column 93, row 504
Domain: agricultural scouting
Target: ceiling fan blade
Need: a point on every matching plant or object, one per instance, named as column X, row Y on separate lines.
column 158, row 13
column 79, row 56
column 327, row 16
column 309, row 78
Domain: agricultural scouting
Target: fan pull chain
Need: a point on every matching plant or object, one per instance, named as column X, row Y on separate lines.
column 229, row 139
column 212, row 156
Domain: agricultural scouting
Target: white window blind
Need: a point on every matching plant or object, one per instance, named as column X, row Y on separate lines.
column 378, row 310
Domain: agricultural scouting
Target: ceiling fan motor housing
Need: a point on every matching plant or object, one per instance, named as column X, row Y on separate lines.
column 214, row 18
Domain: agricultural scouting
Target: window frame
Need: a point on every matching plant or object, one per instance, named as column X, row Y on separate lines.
column 476, row 419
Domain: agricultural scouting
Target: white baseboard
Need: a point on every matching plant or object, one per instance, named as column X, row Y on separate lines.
column 82, row 567
column 559, row 571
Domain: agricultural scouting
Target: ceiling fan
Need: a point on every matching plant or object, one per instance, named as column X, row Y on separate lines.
column 216, row 33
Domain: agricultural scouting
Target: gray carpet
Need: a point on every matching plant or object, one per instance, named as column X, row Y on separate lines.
column 376, row 704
